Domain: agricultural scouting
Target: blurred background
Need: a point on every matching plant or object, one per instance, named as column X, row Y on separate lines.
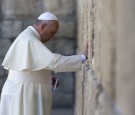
column 106, row 83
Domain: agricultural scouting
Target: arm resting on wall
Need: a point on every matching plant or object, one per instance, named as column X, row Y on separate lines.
column 65, row 63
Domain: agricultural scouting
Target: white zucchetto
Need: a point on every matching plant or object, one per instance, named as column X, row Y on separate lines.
column 47, row 16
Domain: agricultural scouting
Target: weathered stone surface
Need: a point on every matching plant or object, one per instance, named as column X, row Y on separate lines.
column 62, row 100
column 4, row 46
column 114, row 46
column 91, row 91
column 86, row 88
column 105, row 36
column 21, row 8
column 105, row 105
column 11, row 29
column 112, row 28
column 64, row 46
column 59, row 7
column 28, row 22
column 67, row 29
column 125, row 88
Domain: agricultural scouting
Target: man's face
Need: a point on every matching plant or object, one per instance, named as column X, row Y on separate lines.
column 48, row 30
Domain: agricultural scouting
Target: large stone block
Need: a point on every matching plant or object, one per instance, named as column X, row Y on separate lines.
column 125, row 80
column 86, row 88
column 62, row 99
column 64, row 46
column 21, row 8
column 91, row 90
column 104, row 47
column 4, row 46
column 11, row 29
column 59, row 7
column 67, row 29
column 85, row 26
column 106, row 106
column 28, row 22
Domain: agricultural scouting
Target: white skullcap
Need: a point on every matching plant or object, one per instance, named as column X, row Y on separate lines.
column 47, row 16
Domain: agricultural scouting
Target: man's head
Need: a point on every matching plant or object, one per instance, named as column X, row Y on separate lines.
column 47, row 26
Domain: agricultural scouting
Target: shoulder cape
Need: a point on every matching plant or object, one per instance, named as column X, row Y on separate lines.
column 28, row 53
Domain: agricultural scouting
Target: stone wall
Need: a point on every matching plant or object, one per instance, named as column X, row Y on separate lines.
column 105, row 86
column 16, row 15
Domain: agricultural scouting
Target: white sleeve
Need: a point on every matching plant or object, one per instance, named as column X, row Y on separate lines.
column 66, row 63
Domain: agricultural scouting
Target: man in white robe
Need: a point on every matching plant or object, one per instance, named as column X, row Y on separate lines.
column 28, row 88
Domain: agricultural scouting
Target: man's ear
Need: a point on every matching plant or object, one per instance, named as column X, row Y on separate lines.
column 43, row 26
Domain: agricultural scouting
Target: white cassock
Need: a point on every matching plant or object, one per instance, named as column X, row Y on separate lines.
column 28, row 90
